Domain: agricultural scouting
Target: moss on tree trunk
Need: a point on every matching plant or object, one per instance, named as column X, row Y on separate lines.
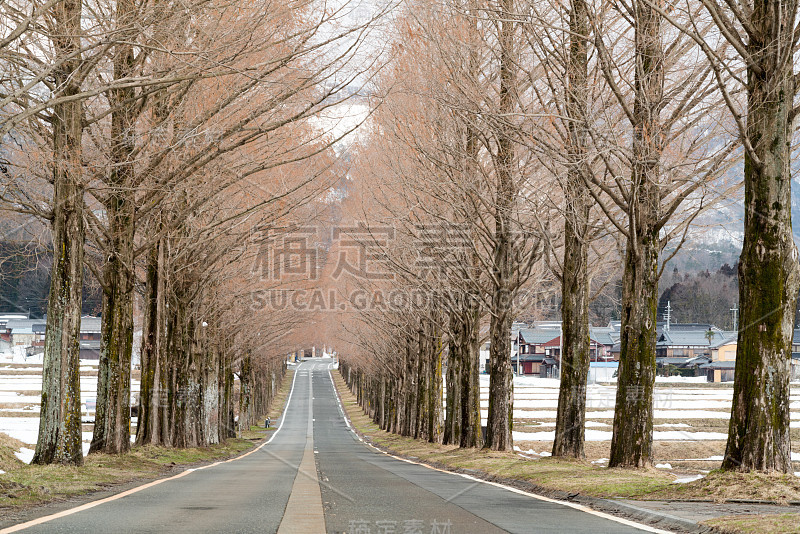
column 571, row 413
column 59, row 439
column 758, row 437
column 632, row 440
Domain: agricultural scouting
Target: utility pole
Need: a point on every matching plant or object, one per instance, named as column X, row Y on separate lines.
column 735, row 312
column 668, row 315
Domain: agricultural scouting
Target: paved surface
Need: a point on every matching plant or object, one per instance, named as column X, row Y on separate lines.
column 701, row 511
column 362, row 491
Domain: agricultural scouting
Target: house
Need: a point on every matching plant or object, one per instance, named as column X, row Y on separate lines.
column 683, row 349
column 722, row 366
column 602, row 341
column 538, row 351
column 795, row 374
column 23, row 333
column 539, row 348
column 539, row 365
column 91, row 328
column 484, row 355
column 30, row 335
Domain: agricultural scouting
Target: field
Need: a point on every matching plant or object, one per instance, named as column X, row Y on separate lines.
column 20, row 395
column 690, row 427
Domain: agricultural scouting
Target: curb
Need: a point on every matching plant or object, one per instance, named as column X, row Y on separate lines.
column 656, row 519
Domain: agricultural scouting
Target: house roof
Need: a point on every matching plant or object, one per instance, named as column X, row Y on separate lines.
column 538, row 336
column 23, row 326
column 90, row 325
column 603, row 335
column 556, row 342
column 535, row 358
column 671, row 360
column 796, row 337
column 549, row 361
column 719, row 365
column 687, row 361
column 695, row 337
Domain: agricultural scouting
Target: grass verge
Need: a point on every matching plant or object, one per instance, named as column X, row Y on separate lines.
column 275, row 411
column 756, row 524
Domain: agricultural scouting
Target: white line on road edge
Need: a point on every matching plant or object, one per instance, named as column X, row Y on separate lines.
column 576, row 506
column 81, row 508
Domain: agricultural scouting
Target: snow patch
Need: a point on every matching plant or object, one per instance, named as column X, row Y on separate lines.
column 686, row 480
column 664, row 466
column 600, row 435
column 25, row 454
column 684, row 379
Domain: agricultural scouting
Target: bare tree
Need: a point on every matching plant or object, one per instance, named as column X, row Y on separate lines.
column 759, row 61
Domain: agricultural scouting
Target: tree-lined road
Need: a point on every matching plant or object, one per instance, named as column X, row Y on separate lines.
column 354, row 489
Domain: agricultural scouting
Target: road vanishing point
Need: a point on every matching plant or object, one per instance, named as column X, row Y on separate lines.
column 315, row 475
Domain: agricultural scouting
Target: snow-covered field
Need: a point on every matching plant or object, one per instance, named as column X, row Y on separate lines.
column 20, row 396
column 691, row 418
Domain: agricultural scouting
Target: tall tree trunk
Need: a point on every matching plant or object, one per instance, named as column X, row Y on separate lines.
column 434, row 386
column 500, row 419
column 226, row 422
column 154, row 407
column 423, row 378
column 759, row 436
column 452, row 419
column 210, row 365
column 570, row 417
column 471, row 435
column 112, row 420
column 244, row 394
column 632, row 440
column 59, row 439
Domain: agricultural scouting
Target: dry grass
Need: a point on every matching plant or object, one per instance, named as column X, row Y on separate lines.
column 757, row 524
column 279, row 402
column 7, row 447
column 276, row 410
column 722, row 485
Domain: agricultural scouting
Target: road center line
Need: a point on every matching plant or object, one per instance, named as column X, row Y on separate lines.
column 304, row 513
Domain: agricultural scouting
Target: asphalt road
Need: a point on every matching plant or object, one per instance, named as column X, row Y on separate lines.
column 363, row 491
